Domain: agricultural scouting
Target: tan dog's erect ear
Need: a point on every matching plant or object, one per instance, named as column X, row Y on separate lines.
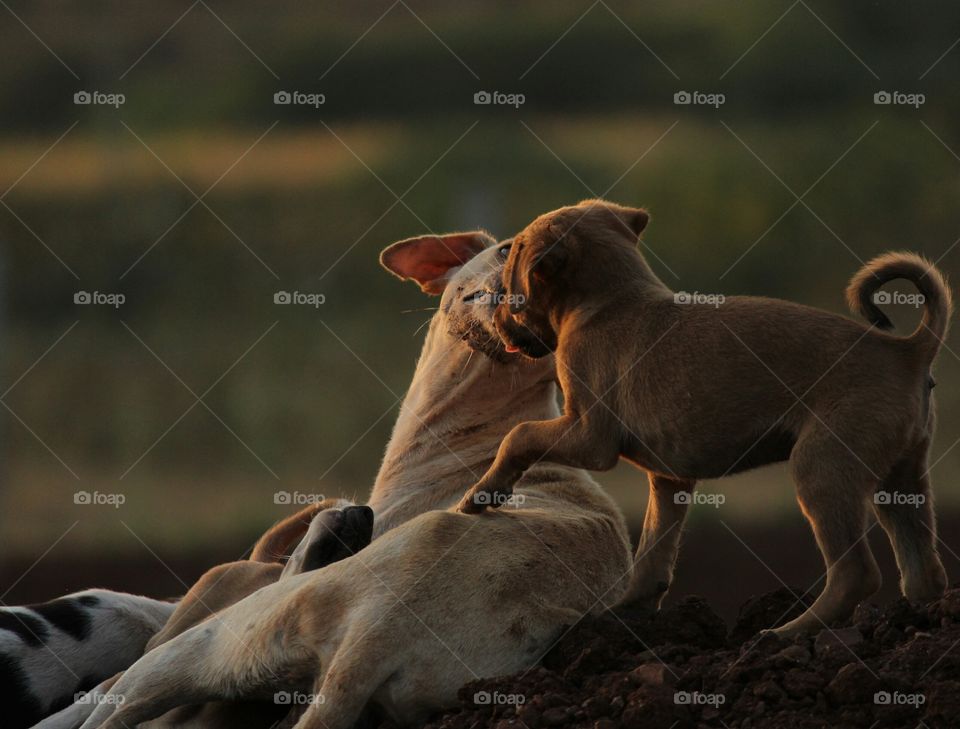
column 428, row 259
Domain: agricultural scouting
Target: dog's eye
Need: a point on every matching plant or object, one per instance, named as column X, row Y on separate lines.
column 475, row 296
column 504, row 250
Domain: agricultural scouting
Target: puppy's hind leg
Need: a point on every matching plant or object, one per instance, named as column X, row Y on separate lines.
column 834, row 487
column 660, row 541
column 904, row 508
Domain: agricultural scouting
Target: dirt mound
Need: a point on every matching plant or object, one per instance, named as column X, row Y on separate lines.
column 895, row 666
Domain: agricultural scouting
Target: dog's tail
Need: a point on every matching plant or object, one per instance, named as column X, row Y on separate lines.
column 863, row 297
column 278, row 539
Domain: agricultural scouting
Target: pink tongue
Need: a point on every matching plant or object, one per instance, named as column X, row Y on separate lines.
column 511, row 348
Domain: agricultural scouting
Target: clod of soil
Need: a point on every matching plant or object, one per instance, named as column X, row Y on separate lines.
column 892, row 666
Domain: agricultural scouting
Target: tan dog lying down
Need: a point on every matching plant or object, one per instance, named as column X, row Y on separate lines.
column 327, row 531
column 438, row 598
column 691, row 390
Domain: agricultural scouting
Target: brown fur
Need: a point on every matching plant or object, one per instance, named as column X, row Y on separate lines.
column 692, row 390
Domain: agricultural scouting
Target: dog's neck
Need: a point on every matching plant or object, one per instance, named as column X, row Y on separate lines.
column 458, row 408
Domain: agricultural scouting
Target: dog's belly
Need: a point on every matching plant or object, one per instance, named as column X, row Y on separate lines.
column 713, row 457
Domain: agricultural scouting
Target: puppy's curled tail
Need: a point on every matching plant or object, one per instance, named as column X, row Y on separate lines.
column 281, row 536
column 862, row 295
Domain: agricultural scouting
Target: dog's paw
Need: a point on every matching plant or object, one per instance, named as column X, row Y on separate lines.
column 334, row 534
column 479, row 498
column 469, row 503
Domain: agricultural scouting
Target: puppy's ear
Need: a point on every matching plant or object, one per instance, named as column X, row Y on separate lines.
column 533, row 264
column 552, row 258
column 627, row 220
column 428, row 259
column 635, row 219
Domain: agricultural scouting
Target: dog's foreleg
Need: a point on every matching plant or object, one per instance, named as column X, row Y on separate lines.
column 568, row 440
column 73, row 716
column 185, row 670
column 660, row 541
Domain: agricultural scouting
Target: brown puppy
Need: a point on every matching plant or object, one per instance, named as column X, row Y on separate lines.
column 691, row 390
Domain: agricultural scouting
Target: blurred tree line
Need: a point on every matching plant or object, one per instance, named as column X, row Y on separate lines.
column 303, row 199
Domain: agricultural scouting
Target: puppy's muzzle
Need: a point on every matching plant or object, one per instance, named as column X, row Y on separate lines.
column 518, row 338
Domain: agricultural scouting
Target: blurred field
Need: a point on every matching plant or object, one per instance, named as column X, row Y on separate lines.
column 303, row 200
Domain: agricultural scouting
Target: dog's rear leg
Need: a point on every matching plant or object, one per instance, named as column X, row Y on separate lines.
column 660, row 540
column 904, row 507
column 834, row 488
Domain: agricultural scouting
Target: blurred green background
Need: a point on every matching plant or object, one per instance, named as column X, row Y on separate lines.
column 303, row 198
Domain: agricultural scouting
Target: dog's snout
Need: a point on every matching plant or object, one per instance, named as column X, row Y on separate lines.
column 361, row 513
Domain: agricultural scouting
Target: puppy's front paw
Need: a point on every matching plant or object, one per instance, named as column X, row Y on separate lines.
column 480, row 497
column 473, row 502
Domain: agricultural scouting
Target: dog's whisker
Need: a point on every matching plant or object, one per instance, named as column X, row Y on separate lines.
column 425, row 308
column 420, row 328
column 467, row 363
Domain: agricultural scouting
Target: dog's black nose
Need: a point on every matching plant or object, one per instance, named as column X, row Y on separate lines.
column 364, row 513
